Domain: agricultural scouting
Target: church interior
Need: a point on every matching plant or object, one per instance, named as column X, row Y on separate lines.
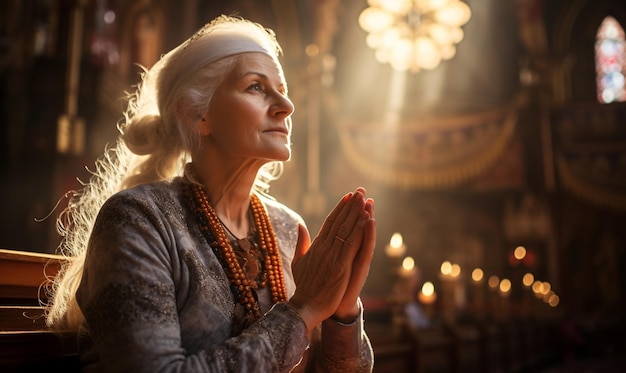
column 491, row 134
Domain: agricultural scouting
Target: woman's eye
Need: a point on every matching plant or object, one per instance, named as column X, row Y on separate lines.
column 256, row 87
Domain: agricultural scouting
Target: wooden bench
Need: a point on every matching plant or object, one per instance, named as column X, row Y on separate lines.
column 25, row 343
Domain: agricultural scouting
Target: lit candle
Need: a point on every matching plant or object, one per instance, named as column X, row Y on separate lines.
column 527, row 297
column 537, row 291
column 505, row 287
column 455, row 271
column 519, row 253
column 479, row 292
column 478, row 275
column 449, row 274
column 427, row 297
column 505, row 291
column 408, row 267
column 528, row 280
column 396, row 248
column 494, row 282
column 446, row 269
column 459, row 286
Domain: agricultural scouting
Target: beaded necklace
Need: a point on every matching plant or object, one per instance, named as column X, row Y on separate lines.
column 249, row 256
column 242, row 287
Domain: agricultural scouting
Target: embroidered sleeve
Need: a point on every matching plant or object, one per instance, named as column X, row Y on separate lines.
column 342, row 348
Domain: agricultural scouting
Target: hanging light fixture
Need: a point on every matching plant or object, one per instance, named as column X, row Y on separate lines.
column 414, row 34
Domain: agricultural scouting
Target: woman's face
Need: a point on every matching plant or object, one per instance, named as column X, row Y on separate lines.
column 247, row 118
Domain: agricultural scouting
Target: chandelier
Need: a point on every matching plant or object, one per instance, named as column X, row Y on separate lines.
column 414, row 34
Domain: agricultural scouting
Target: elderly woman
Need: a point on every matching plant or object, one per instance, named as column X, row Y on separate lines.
column 180, row 260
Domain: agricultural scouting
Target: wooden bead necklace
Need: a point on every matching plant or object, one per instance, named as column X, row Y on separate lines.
column 218, row 240
column 249, row 256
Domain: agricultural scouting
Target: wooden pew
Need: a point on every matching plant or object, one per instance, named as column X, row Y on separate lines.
column 25, row 343
column 467, row 351
column 394, row 352
column 435, row 351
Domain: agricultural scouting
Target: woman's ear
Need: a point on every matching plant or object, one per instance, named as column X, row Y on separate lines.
column 203, row 126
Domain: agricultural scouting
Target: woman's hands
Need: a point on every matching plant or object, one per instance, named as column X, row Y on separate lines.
column 331, row 271
column 348, row 309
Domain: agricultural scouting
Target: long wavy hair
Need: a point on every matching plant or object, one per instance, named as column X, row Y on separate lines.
column 157, row 139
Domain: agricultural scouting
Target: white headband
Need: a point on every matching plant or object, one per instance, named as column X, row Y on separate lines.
column 223, row 37
column 214, row 42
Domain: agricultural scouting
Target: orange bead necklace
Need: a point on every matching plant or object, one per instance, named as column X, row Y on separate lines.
column 218, row 240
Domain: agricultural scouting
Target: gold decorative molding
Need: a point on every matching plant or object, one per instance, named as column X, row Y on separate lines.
column 586, row 188
column 591, row 152
column 431, row 153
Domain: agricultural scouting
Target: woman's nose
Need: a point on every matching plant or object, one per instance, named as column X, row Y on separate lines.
column 283, row 106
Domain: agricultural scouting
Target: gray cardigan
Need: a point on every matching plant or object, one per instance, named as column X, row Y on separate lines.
column 156, row 299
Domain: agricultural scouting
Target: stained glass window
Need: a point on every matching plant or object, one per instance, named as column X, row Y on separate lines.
column 610, row 51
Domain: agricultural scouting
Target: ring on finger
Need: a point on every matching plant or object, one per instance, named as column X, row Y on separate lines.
column 340, row 239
